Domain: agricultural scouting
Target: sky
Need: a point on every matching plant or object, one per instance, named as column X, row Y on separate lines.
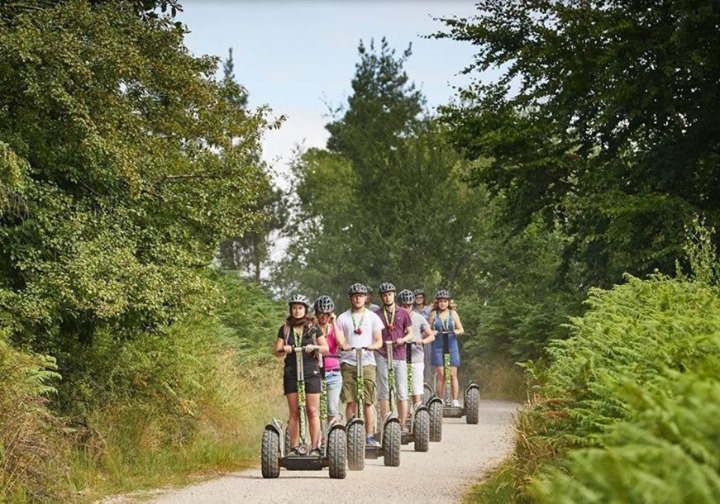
column 299, row 56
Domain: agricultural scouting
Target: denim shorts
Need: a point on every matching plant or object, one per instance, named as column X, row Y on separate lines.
column 333, row 381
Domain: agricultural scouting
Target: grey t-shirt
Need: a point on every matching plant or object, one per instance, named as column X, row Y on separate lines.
column 418, row 326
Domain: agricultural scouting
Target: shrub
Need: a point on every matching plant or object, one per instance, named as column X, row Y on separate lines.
column 31, row 442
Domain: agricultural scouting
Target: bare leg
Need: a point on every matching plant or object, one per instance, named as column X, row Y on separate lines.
column 312, row 406
column 384, row 408
column 440, row 382
column 293, row 423
column 455, row 385
column 350, row 410
column 370, row 419
column 402, row 411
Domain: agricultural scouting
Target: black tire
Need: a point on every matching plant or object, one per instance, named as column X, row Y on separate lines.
column 356, row 447
column 270, row 454
column 472, row 406
column 287, row 440
column 337, row 454
column 436, row 417
column 421, row 430
column 391, row 444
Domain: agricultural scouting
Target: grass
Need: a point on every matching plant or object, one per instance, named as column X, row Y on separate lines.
column 497, row 379
column 134, row 452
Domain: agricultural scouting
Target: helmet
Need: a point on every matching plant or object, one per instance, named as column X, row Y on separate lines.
column 357, row 288
column 324, row 304
column 406, row 297
column 442, row 294
column 299, row 299
column 386, row 287
column 369, row 289
column 419, row 292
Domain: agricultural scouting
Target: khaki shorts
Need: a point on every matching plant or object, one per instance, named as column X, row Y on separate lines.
column 349, row 377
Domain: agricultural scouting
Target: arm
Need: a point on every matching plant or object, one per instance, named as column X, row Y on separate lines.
column 340, row 338
column 459, row 331
column 281, row 349
column 429, row 335
column 322, row 345
column 408, row 336
column 377, row 340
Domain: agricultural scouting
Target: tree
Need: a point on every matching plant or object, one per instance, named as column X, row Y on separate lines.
column 123, row 164
column 602, row 121
column 250, row 252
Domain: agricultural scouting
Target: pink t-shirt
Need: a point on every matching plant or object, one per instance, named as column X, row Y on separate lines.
column 332, row 363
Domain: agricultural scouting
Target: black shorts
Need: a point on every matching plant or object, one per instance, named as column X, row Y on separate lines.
column 312, row 381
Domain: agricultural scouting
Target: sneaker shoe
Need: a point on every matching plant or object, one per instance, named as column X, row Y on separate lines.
column 295, row 451
column 456, row 403
column 316, row 452
column 371, row 441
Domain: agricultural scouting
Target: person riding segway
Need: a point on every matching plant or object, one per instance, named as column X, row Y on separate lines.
column 446, row 359
column 300, row 342
column 360, row 331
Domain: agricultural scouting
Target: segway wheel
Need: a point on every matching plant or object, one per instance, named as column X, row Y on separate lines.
column 421, row 429
column 337, row 453
column 356, row 446
column 270, row 454
column 472, row 406
column 392, row 438
column 436, row 416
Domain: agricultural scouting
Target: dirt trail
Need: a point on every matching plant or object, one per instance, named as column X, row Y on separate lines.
column 443, row 474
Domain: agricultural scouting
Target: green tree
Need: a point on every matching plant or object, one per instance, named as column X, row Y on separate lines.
column 250, row 252
column 123, row 164
column 603, row 121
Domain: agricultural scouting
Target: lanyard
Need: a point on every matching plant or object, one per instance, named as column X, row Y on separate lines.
column 389, row 322
column 356, row 326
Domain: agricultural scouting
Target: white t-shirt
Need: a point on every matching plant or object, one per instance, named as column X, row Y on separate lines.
column 367, row 322
column 418, row 324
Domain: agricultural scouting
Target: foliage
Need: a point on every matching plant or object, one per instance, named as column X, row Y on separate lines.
column 673, row 423
column 250, row 252
column 614, row 396
column 602, row 121
column 30, row 445
column 127, row 165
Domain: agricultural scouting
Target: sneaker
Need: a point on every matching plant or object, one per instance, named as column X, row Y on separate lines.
column 316, row 452
column 295, row 451
column 371, row 441
column 456, row 403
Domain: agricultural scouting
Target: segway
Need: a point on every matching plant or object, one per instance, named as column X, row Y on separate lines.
column 391, row 433
column 418, row 414
column 356, row 425
column 274, row 455
column 471, row 404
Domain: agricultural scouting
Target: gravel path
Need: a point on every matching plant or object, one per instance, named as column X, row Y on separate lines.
column 444, row 474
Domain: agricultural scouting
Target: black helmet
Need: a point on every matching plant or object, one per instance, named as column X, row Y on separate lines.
column 406, row 297
column 299, row 299
column 442, row 294
column 357, row 288
column 386, row 287
column 324, row 304
column 419, row 292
